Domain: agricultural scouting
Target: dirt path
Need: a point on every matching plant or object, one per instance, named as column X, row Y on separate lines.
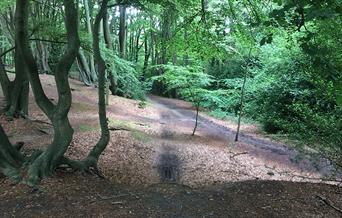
column 280, row 161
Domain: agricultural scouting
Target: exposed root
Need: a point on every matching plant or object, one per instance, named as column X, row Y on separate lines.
column 88, row 165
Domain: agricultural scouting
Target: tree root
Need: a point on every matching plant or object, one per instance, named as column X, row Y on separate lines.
column 88, row 165
column 327, row 202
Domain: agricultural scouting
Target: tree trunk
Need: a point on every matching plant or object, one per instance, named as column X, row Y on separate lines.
column 5, row 85
column 147, row 57
column 241, row 106
column 196, row 123
column 91, row 56
column 92, row 159
column 84, row 71
column 109, row 45
column 105, row 135
column 49, row 159
column 19, row 92
column 137, row 47
column 16, row 92
column 122, row 31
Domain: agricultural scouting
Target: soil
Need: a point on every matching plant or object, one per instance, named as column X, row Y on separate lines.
column 153, row 167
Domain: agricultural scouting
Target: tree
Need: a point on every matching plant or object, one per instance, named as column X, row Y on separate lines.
column 190, row 83
column 49, row 159
column 92, row 159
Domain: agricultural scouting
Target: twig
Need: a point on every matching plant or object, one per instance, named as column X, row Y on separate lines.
column 104, row 198
column 327, row 202
column 237, row 154
column 118, row 129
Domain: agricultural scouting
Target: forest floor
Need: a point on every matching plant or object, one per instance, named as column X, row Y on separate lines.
column 153, row 167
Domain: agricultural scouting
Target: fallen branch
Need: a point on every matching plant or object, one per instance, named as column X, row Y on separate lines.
column 327, row 202
column 118, row 129
column 104, row 198
column 238, row 154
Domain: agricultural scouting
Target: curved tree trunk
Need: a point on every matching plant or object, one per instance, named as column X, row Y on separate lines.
column 48, row 160
column 92, row 159
column 105, row 135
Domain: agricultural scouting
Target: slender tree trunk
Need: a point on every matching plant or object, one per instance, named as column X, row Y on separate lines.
column 147, row 57
column 137, row 46
column 196, row 123
column 241, row 106
column 109, row 45
column 122, row 31
column 91, row 56
column 105, row 135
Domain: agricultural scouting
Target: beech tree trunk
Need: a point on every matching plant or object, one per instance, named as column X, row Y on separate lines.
column 122, row 31
column 83, row 67
column 50, row 158
column 16, row 92
column 19, row 91
column 105, row 135
column 92, row 159
column 109, row 45
column 91, row 56
column 147, row 56
column 5, row 85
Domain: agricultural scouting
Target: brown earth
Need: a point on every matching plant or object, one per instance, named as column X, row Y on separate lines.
column 155, row 168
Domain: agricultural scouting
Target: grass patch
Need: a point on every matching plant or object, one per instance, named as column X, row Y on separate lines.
column 121, row 123
column 140, row 136
column 81, row 107
column 87, row 128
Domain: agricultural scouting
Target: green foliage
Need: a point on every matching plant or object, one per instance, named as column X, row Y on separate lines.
column 190, row 83
column 5, row 4
column 128, row 84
